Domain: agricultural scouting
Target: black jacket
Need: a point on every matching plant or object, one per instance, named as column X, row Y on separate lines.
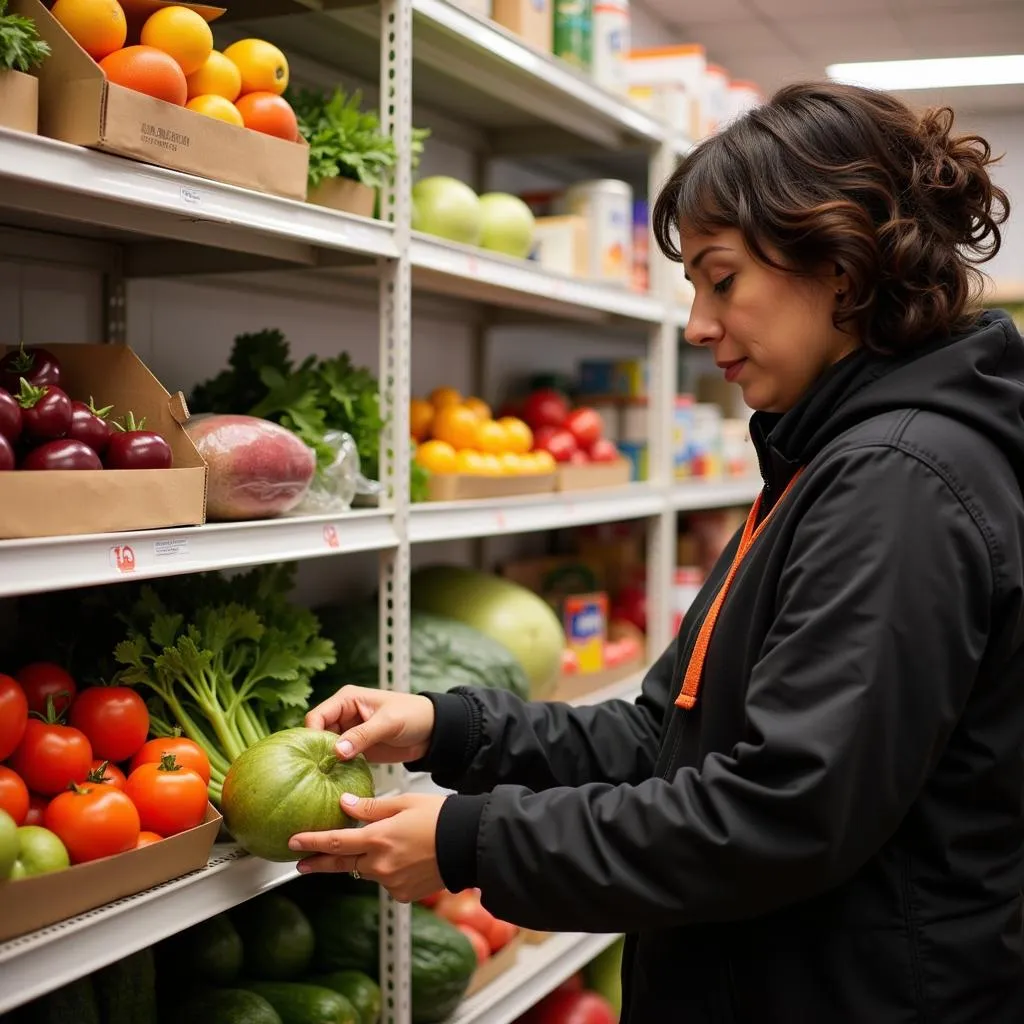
column 835, row 833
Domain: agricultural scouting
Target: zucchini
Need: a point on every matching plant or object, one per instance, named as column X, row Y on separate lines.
column 297, row 1003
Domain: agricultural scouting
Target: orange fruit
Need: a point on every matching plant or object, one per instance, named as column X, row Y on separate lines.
column 544, row 462
column 512, row 464
column 421, row 418
column 98, row 26
column 456, row 425
column 264, row 68
column 440, row 397
column 519, row 435
column 478, row 407
column 468, row 462
column 217, row 77
column 491, row 437
column 182, row 33
column 149, row 70
column 270, row 114
column 437, row 456
column 490, row 465
column 216, row 107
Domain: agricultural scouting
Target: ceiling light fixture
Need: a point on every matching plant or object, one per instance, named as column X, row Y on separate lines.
column 936, row 73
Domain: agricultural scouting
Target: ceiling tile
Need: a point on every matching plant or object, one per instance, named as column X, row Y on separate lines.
column 999, row 30
column 828, row 40
column 727, row 42
column 679, row 13
column 795, row 8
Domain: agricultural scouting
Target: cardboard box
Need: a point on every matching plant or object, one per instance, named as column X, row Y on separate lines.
column 53, row 504
column 346, row 195
column 77, row 104
column 32, row 903
column 562, row 245
column 494, row 967
column 594, row 476
column 456, row 487
column 19, row 102
column 532, row 20
column 584, row 683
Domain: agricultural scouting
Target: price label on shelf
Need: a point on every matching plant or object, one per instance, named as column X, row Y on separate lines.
column 499, row 519
column 191, row 196
column 167, row 550
column 122, row 558
column 331, row 538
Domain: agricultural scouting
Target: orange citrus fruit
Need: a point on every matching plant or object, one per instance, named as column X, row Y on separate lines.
column 149, row 70
column 437, row 456
column 421, row 418
column 544, row 462
column 512, row 464
column 519, row 435
column 456, row 425
column 468, row 462
column 490, row 464
column 216, row 107
column 98, row 26
column 478, row 407
column 182, row 33
column 263, row 66
column 270, row 114
column 440, row 397
column 491, row 437
column 217, row 77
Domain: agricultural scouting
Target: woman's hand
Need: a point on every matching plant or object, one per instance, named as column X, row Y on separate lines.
column 397, row 848
column 388, row 728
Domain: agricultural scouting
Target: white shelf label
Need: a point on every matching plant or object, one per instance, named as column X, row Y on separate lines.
column 191, row 196
column 168, row 549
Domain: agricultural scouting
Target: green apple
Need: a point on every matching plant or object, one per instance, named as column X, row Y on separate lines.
column 39, row 852
column 508, row 225
column 8, row 844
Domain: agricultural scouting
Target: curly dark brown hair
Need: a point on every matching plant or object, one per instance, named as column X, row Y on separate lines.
column 825, row 173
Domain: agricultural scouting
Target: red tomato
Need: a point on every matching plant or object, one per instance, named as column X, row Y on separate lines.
column 93, row 821
column 147, row 839
column 585, row 425
column 188, row 754
column 465, row 908
column 603, row 450
column 432, row 899
column 500, row 934
column 631, row 605
column 13, row 715
column 104, row 773
column 480, row 945
column 44, row 679
column 114, row 718
column 14, row 798
column 36, row 809
column 560, row 443
column 579, row 458
column 562, row 1007
column 170, row 798
column 51, row 756
column 545, row 408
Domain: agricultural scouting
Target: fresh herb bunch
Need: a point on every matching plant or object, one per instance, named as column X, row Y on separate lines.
column 21, row 49
column 346, row 141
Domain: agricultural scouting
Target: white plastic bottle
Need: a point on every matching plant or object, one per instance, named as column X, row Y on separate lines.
column 611, row 44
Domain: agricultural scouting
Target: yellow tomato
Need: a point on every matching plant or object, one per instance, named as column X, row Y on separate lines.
column 421, row 418
column 544, row 462
column 479, row 407
column 468, row 462
column 440, row 398
column 437, row 456
column 519, row 435
column 263, row 67
column 219, row 76
column 512, row 464
column 216, row 107
column 491, row 437
column 456, row 425
column 490, row 465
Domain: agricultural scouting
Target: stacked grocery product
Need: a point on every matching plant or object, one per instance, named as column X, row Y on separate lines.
column 21, row 52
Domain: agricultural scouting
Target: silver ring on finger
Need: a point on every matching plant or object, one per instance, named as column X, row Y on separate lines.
column 355, row 869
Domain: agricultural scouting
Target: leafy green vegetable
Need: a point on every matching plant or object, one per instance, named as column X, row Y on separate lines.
column 21, row 49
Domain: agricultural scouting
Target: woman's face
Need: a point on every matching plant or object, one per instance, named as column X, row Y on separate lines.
column 770, row 331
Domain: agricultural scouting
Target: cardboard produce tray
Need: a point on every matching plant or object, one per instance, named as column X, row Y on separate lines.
column 60, row 503
column 77, row 104
column 33, row 903
column 456, row 487
column 494, row 967
column 595, row 476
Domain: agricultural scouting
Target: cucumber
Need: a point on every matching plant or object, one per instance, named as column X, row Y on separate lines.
column 74, row 1003
column 278, row 938
column 297, row 1003
column 126, row 990
column 358, row 988
column 226, row 1006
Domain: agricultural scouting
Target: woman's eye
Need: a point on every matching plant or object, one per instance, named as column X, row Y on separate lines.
column 724, row 285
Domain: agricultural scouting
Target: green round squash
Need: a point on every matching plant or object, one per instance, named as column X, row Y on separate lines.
column 277, row 938
column 358, row 988
column 286, row 783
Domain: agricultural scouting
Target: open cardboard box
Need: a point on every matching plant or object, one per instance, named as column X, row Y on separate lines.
column 494, row 967
column 32, row 903
column 58, row 503
column 77, row 104
column 594, row 476
column 19, row 102
column 456, row 487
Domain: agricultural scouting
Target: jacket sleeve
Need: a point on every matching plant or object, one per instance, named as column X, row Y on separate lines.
column 883, row 615
column 483, row 738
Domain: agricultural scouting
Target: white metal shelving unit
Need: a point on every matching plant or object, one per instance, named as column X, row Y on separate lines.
column 64, row 205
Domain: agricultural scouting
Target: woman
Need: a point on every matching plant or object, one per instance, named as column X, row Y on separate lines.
column 813, row 814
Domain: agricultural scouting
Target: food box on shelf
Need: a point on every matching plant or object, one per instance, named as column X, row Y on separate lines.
column 19, row 102
column 57, row 503
column 77, row 104
column 596, row 475
column 531, row 20
column 494, row 967
column 572, row 687
column 41, row 900
column 459, row 487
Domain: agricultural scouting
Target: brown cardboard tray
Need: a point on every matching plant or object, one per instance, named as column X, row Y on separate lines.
column 456, row 487
column 19, row 102
column 32, row 903
column 595, row 476
column 77, row 104
column 493, row 968
column 52, row 504
column 581, row 684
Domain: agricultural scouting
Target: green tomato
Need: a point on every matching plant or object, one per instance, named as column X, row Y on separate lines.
column 39, row 852
column 8, row 844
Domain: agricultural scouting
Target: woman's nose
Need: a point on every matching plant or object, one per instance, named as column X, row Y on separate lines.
column 701, row 329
